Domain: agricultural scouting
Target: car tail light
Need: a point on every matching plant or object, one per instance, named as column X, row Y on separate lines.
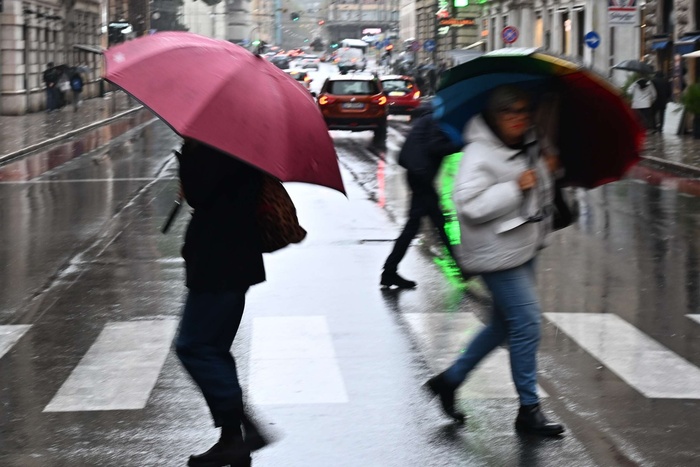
column 381, row 100
column 325, row 100
column 416, row 95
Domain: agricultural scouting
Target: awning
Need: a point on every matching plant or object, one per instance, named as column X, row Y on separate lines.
column 686, row 44
column 95, row 49
column 660, row 45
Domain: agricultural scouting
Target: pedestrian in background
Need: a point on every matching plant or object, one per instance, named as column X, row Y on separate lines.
column 664, row 91
column 503, row 195
column 51, row 77
column 643, row 97
column 223, row 258
column 76, row 85
column 63, row 85
column 421, row 155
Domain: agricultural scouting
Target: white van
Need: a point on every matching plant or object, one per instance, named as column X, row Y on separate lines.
column 350, row 59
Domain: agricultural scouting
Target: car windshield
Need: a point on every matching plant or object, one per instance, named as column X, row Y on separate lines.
column 353, row 88
column 349, row 54
column 394, row 85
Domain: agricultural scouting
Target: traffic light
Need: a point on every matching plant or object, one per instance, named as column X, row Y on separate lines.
column 461, row 3
column 294, row 16
column 334, row 45
column 320, row 23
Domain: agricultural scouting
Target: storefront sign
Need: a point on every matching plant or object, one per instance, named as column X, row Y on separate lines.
column 457, row 23
column 622, row 12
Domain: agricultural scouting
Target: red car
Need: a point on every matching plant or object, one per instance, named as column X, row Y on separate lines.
column 402, row 93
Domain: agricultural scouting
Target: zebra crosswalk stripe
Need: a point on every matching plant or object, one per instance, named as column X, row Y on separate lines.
column 441, row 336
column 10, row 334
column 647, row 366
column 119, row 370
column 695, row 318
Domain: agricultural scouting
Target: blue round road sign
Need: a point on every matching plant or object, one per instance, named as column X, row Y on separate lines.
column 509, row 34
column 429, row 45
column 592, row 39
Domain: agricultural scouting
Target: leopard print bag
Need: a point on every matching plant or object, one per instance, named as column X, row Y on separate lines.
column 277, row 217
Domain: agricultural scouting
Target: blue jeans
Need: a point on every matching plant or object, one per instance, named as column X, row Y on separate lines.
column 515, row 319
column 52, row 98
column 209, row 324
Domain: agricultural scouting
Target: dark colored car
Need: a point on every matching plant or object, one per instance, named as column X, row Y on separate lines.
column 402, row 93
column 301, row 77
column 281, row 61
column 354, row 102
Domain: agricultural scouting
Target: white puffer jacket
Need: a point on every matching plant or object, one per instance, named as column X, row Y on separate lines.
column 491, row 207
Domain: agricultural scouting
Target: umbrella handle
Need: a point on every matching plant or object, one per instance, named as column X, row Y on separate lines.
column 173, row 214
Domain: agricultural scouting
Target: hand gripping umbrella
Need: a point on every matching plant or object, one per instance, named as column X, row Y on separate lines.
column 598, row 136
column 220, row 94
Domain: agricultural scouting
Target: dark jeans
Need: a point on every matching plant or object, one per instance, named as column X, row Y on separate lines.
column 52, row 98
column 209, row 324
column 659, row 116
column 646, row 116
column 424, row 202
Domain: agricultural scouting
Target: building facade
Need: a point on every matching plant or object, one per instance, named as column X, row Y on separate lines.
column 348, row 19
column 655, row 31
column 36, row 32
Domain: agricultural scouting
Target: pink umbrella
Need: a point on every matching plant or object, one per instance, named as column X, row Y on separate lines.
column 222, row 95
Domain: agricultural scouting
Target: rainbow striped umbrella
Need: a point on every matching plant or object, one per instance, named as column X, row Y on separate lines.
column 598, row 136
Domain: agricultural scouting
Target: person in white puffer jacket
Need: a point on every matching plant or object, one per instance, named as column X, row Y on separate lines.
column 643, row 98
column 503, row 195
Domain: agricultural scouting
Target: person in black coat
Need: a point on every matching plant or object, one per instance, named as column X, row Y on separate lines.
column 50, row 77
column 223, row 258
column 421, row 155
column 664, row 91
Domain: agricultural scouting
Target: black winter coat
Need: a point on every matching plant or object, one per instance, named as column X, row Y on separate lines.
column 425, row 147
column 222, row 244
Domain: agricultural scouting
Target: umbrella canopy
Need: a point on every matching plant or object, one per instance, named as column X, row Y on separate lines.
column 220, row 94
column 598, row 136
column 635, row 66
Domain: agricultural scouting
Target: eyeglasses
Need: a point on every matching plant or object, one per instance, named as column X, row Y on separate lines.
column 513, row 111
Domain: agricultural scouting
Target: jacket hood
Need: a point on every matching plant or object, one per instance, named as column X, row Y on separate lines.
column 478, row 131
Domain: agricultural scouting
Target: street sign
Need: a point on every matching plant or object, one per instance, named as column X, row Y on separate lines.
column 509, row 34
column 429, row 45
column 592, row 39
column 415, row 45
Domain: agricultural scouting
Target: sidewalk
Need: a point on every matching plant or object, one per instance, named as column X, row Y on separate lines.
column 26, row 133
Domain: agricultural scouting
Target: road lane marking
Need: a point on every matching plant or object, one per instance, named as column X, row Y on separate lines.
column 695, row 318
column 643, row 363
column 10, row 334
column 293, row 361
column 119, row 370
column 442, row 336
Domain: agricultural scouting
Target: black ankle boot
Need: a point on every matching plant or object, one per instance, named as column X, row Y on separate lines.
column 532, row 420
column 230, row 450
column 437, row 386
column 253, row 438
column 390, row 278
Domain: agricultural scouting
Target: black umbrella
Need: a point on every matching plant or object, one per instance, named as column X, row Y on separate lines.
column 636, row 66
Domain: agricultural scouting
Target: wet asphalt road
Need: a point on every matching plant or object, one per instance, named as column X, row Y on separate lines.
column 334, row 364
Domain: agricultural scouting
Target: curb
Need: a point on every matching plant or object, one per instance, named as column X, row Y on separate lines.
column 70, row 134
column 676, row 167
